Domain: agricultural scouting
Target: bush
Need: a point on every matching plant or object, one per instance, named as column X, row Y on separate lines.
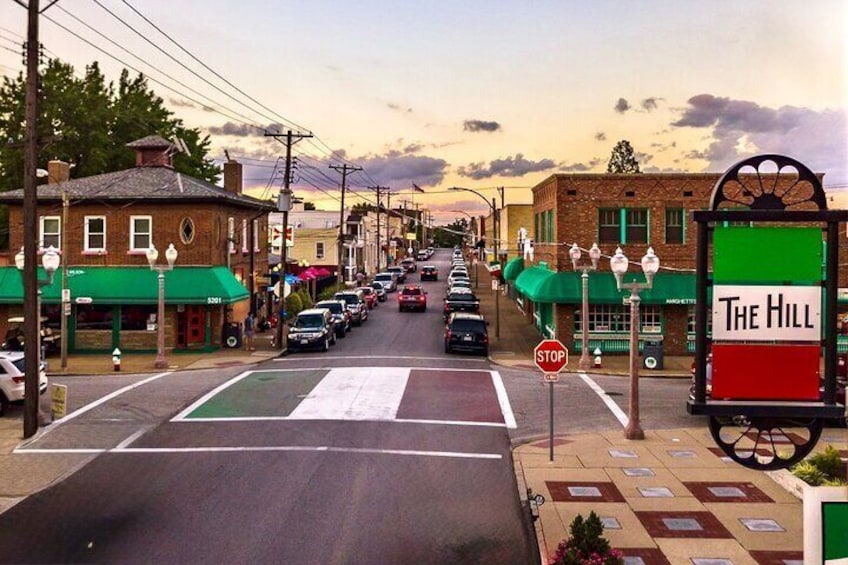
column 824, row 468
column 293, row 305
column 327, row 293
column 305, row 299
column 586, row 545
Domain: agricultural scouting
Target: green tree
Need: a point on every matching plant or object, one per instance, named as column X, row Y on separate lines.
column 622, row 159
column 308, row 205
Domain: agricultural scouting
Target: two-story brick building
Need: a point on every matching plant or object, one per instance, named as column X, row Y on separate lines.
column 104, row 231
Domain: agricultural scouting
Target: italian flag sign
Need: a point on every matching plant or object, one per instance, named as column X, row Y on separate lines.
column 835, row 533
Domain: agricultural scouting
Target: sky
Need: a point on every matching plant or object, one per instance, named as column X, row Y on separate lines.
column 477, row 94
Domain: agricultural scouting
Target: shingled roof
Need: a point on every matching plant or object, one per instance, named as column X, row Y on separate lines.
column 150, row 142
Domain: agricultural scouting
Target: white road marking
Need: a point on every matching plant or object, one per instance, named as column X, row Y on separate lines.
column 133, row 437
column 398, row 420
column 412, row 357
column 503, row 400
column 355, row 393
column 616, row 411
column 206, row 397
column 282, row 448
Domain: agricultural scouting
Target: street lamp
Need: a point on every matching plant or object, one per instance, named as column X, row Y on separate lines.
column 594, row 255
column 50, row 261
column 650, row 266
column 171, row 257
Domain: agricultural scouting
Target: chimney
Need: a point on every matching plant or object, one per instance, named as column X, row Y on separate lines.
column 58, row 171
column 232, row 177
column 152, row 150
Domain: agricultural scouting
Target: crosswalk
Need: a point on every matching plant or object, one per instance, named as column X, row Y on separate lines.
column 387, row 394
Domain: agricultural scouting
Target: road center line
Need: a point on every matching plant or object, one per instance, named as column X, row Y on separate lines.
column 616, row 411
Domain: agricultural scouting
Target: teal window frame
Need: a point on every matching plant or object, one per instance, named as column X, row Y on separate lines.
column 624, row 225
column 681, row 225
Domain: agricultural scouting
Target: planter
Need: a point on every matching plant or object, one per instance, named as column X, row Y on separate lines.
column 812, row 498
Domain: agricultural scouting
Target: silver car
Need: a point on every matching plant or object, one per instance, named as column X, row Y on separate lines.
column 388, row 280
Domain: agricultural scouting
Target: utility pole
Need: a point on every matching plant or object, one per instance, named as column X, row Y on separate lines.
column 378, row 190
column 344, row 169
column 284, row 205
column 388, row 223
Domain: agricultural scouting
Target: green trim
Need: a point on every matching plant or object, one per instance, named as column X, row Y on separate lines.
column 530, row 279
column 622, row 225
column 567, row 288
column 513, row 268
column 132, row 285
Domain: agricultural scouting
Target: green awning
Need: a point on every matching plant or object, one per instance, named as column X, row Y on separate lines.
column 567, row 288
column 513, row 268
column 530, row 279
column 131, row 285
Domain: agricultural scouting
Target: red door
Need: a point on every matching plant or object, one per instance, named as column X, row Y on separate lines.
column 192, row 326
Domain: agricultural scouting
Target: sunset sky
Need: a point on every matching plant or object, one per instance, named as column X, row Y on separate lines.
column 477, row 93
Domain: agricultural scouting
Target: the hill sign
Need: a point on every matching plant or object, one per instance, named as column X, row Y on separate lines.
column 550, row 356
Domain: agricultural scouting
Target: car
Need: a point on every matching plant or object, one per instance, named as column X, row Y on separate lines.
column 466, row 332
column 312, row 329
column 341, row 315
column 422, row 255
column 388, row 280
column 409, row 264
column 457, row 276
column 400, row 272
column 12, row 386
column 459, row 283
column 461, row 300
column 356, row 304
column 412, row 297
column 379, row 290
column 370, row 296
column 429, row 273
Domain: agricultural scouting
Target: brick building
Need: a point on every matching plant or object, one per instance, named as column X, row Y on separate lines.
column 104, row 231
column 634, row 211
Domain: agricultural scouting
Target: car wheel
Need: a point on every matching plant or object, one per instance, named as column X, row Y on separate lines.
column 342, row 333
column 486, row 352
column 4, row 404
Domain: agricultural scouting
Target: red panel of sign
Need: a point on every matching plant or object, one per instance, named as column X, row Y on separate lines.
column 765, row 372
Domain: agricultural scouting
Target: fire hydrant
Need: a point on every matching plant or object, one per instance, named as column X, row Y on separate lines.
column 116, row 360
column 597, row 354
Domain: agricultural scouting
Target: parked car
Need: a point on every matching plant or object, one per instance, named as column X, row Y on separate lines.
column 409, row 264
column 429, row 273
column 312, row 329
column 466, row 332
column 356, row 304
column 341, row 315
column 400, row 272
column 379, row 290
column 457, row 276
column 461, row 300
column 370, row 296
column 12, row 378
column 389, row 280
column 412, row 297
column 459, row 283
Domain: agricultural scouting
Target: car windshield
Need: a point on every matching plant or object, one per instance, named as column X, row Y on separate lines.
column 377, row 285
column 309, row 321
column 462, row 297
column 411, row 291
column 333, row 307
column 349, row 298
column 475, row 326
column 386, row 278
column 366, row 291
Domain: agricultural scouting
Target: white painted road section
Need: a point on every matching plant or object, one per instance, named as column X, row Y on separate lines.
column 616, row 411
column 351, row 393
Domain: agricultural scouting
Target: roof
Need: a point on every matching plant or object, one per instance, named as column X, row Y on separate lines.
column 151, row 183
column 151, row 141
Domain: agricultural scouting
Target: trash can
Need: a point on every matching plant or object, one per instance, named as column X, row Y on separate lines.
column 652, row 355
column 232, row 335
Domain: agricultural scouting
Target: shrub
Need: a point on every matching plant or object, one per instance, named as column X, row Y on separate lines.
column 824, row 468
column 586, row 544
column 305, row 299
column 327, row 293
column 293, row 305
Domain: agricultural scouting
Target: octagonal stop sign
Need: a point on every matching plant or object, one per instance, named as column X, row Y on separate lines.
column 550, row 356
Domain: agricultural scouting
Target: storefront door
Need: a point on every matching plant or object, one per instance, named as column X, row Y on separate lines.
column 191, row 326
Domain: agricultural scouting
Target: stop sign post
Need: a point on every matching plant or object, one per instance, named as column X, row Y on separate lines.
column 551, row 356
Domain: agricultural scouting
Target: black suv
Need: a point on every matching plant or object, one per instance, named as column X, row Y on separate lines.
column 460, row 300
column 466, row 332
column 341, row 315
column 429, row 273
column 312, row 329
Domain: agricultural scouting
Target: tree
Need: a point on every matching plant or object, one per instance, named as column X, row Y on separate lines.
column 308, row 205
column 622, row 159
column 88, row 122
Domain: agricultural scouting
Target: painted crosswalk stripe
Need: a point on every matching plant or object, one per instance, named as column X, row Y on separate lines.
column 355, row 393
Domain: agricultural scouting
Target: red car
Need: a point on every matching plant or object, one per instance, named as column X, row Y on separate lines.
column 370, row 296
column 412, row 297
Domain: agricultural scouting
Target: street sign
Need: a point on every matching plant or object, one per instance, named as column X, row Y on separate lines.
column 551, row 377
column 550, row 356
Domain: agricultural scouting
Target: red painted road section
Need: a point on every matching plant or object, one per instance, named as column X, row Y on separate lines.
column 466, row 396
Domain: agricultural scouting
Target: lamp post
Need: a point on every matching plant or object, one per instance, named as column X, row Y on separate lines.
column 594, row 255
column 50, row 261
column 171, row 257
column 650, row 266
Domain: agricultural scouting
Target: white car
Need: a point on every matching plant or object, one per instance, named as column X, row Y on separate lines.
column 455, row 277
column 12, row 379
column 388, row 280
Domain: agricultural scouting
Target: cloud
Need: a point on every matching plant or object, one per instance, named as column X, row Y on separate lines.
column 582, row 167
column 622, row 106
column 600, row 136
column 509, row 167
column 480, row 125
column 183, row 103
column 397, row 169
column 243, row 130
column 398, row 108
column 742, row 128
column 650, row 104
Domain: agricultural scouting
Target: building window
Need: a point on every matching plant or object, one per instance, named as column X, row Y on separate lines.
column 690, row 320
column 609, row 225
column 51, row 232
column 95, row 233
column 137, row 317
column 636, row 226
column 244, row 235
column 256, row 236
column 186, row 230
column 615, row 318
column 93, row 317
column 231, row 235
column 549, row 223
column 674, row 230
column 141, row 233
column 319, row 249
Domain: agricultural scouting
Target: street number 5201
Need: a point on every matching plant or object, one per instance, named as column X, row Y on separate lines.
column 213, row 300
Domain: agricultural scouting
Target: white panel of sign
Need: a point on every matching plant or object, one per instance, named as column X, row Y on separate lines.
column 767, row 313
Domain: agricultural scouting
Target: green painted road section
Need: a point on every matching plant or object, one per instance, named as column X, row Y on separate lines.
column 261, row 394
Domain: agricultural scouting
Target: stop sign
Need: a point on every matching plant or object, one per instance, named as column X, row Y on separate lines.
column 550, row 356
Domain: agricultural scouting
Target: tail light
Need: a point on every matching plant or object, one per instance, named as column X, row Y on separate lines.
column 485, row 338
column 18, row 379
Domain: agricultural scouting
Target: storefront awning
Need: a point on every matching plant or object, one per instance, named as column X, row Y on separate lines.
column 566, row 288
column 131, row 285
column 513, row 268
column 530, row 280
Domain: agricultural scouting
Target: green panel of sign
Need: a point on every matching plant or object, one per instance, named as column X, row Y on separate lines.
column 766, row 254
